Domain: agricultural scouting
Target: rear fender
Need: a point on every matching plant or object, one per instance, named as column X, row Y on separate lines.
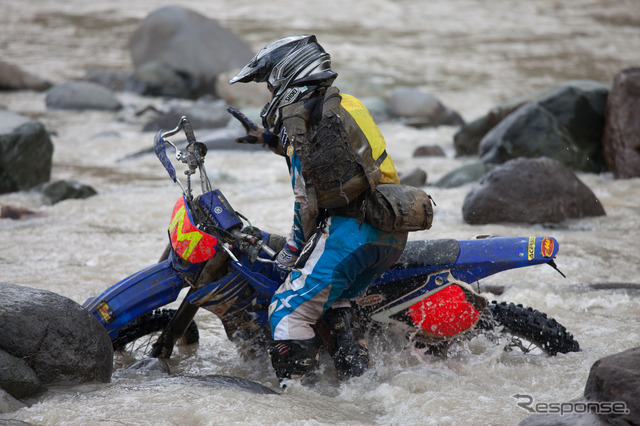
column 137, row 294
column 481, row 258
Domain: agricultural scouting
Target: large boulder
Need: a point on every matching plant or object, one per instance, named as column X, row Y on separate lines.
column 524, row 190
column 57, row 338
column 81, row 95
column 13, row 77
column 421, row 109
column 617, row 378
column 26, row 153
column 621, row 142
column 188, row 42
column 566, row 125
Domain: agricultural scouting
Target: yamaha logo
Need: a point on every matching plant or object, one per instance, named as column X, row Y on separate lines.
column 217, row 210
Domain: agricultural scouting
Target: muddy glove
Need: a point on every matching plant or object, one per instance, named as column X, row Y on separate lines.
column 287, row 258
column 255, row 134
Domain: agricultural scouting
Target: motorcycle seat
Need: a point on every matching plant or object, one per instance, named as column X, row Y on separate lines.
column 428, row 253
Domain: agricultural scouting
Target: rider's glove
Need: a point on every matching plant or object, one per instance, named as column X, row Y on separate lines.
column 286, row 259
column 255, row 134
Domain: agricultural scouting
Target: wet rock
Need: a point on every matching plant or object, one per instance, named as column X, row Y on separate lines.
column 621, row 141
column 13, row 77
column 56, row 337
column 8, row 404
column 429, row 151
column 17, row 378
column 113, row 80
column 189, row 42
column 416, row 177
column 60, row 190
column 524, row 190
column 204, row 113
column 611, row 396
column 147, row 367
column 566, row 125
column 218, row 381
column 467, row 139
column 81, row 95
column 463, row 175
column 617, row 378
column 26, row 153
column 421, row 109
column 15, row 212
column 156, row 79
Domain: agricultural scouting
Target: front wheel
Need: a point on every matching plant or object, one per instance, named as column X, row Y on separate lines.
column 137, row 337
column 528, row 328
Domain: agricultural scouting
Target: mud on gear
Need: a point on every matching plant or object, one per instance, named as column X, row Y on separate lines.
column 292, row 66
column 344, row 156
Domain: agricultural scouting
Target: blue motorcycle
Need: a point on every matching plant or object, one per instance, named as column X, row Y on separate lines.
column 227, row 265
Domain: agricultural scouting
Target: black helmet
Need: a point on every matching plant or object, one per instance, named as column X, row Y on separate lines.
column 287, row 65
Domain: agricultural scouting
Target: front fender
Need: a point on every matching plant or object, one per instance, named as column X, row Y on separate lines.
column 142, row 292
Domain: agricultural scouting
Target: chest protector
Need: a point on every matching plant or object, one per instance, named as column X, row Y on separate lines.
column 342, row 151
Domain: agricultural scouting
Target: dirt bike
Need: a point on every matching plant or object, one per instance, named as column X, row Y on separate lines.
column 228, row 267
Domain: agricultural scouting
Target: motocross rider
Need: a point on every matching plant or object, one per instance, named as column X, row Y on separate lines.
column 330, row 256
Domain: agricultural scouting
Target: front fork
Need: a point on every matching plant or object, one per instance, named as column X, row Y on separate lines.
column 163, row 347
column 213, row 270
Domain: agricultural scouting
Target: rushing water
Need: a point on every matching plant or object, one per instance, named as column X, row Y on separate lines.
column 471, row 54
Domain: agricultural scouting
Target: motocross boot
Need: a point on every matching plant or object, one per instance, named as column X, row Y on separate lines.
column 351, row 356
column 295, row 359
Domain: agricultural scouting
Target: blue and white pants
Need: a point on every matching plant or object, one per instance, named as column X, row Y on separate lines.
column 344, row 260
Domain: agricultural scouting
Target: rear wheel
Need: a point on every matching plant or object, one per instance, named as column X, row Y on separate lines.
column 527, row 329
column 136, row 338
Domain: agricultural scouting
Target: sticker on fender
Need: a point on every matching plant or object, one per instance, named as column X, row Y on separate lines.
column 531, row 251
column 546, row 247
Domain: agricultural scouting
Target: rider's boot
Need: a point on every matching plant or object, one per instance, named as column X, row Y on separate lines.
column 295, row 359
column 351, row 356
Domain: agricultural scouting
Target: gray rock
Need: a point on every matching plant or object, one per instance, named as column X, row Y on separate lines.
column 219, row 381
column 147, row 367
column 189, row 42
column 421, row 109
column 429, row 151
column 617, row 378
column 463, row 175
column 63, row 190
column 467, row 139
column 17, row 378
column 566, row 125
column 523, row 190
column 13, row 77
column 8, row 404
column 81, row 95
column 26, row 153
column 416, row 177
column 621, row 142
column 202, row 114
column 156, row 79
column 611, row 396
column 56, row 337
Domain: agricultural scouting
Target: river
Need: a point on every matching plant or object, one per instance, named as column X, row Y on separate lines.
column 472, row 55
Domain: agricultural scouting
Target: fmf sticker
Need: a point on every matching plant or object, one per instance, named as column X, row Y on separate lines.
column 105, row 312
column 370, row 300
column 546, row 248
column 531, row 252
